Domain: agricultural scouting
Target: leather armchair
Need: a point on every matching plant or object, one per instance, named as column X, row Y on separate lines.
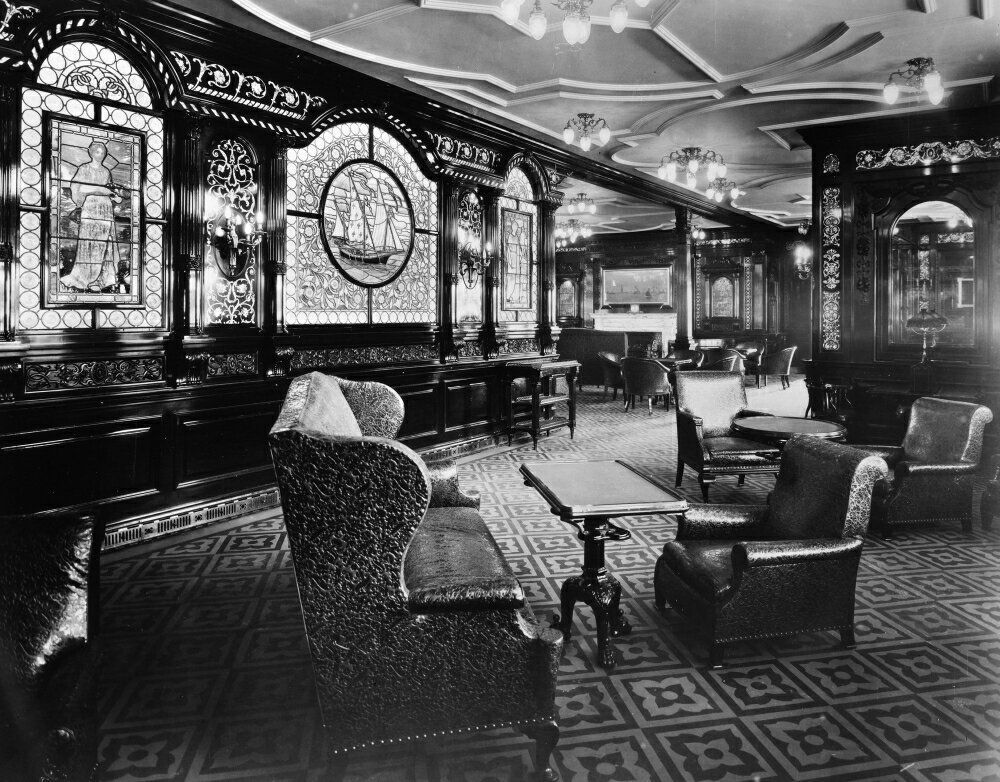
column 416, row 624
column 779, row 363
column 707, row 404
column 644, row 377
column 48, row 647
column 787, row 567
column 611, row 365
column 933, row 470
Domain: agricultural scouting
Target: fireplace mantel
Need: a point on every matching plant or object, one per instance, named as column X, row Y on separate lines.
column 663, row 322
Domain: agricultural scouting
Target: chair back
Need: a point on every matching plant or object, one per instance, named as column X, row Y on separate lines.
column 780, row 363
column 824, row 490
column 697, row 358
column 611, row 363
column 945, row 431
column 644, row 377
column 724, row 364
column 715, row 397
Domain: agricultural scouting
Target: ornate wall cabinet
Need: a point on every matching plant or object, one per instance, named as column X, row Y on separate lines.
column 910, row 211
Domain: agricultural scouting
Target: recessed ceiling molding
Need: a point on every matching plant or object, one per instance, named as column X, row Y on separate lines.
column 777, row 138
column 651, row 118
column 801, row 198
column 817, row 46
column 764, row 182
column 605, row 98
column 816, row 85
column 851, row 51
column 688, row 53
column 985, row 8
column 660, row 14
column 927, row 6
column 375, row 17
column 277, row 21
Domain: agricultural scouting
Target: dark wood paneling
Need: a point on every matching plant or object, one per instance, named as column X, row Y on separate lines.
column 467, row 403
column 421, row 417
column 218, row 444
column 88, row 465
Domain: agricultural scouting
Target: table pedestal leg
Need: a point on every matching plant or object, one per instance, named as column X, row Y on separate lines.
column 598, row 589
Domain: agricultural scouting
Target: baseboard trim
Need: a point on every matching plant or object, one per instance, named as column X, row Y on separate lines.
column 142, row 529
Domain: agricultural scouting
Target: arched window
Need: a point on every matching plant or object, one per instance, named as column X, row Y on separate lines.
column 92, row 210
column 362, row 231
column 519, row 242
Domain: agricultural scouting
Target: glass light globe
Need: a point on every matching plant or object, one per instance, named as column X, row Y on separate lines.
column 571, row 28
column 718, row 196
column 890, row 92
column 585, row 28
column 537, row 24
column 619, row 16
column 586, row 232
column 571, row 208
column 712, row 170
column 604, row 135
column 671, row 170
column 721, row 169
column 692, row 181
column 935, row 94
column 693, row 165
column 932, row 81
column 710, row 193
column 568, row 134
column 661, row 172
column 592, row 208
column 585, row 143
column 734, row 193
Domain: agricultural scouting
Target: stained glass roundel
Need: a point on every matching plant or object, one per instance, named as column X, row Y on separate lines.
column 367, row 223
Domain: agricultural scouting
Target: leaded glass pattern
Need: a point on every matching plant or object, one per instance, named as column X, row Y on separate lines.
column 518, row 186
column 95, row 70
column 469, row 300
column 127, row 148
column 232, row 182
column 520, row 267
column 316, row 291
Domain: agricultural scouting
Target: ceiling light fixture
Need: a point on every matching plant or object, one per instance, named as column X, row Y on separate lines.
column 576, row 19
column 586, row 130
column 581, row 204
column 804, row 226
column 572, row 230
column 690, row 160
column 720, row 187
column 919, row 74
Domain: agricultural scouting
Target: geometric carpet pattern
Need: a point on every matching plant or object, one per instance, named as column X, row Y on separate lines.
column 206, row 675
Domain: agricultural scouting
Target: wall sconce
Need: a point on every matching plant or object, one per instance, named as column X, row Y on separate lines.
column 234, row 238
column 802, row 255
column 472, row 263
column 804, row 226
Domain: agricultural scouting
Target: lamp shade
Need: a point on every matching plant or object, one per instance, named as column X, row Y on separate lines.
column 619, row 16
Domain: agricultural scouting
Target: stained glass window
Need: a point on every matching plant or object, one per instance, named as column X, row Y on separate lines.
column 356, row 180
column 469, row 299
column 519, row 235
column 91, row 224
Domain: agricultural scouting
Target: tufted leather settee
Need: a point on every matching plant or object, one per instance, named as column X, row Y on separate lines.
column 933, row 470
column 707, row 404
column 787, row 567
column 48, row 647
column 416, row 624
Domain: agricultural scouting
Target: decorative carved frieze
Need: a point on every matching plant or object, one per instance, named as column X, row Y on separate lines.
column 830, row 318
column 195, row 368
column 377, row 354
column 219, row 81
column 469, row 350
column 282, row 361
column 14, row 16
column 529, row 345
column 232, row 365
column 929, row 153
column 57, row 375
column 466, row 154
column 831, row 164
column 957, row 237
column 862, row 247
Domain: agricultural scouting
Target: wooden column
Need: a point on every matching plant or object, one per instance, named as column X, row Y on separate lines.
column 684, row 279
column 275, row 176
column 488, row 335
column 548, row 331
column 11, row 351
column 449, row 277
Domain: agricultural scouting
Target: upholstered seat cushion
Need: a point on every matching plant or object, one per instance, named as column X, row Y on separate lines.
column 720, row 447
column 453, row 563
column 706, row 566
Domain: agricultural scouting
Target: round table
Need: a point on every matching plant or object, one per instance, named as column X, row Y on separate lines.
column 780, row 428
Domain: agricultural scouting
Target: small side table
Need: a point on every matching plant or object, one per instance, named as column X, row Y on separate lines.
column 543, row 400
column 587, row 495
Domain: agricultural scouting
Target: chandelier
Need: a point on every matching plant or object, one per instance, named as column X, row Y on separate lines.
column 570, row 231
column 587, row 129
column 698, row 234
column 576, row 19
column 690, row 160
column 919, row 74
column 581, row 204
column 719, row 187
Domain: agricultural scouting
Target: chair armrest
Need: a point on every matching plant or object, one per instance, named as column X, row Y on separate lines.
column 446, row 492
column 905, row 468
column 790, row 552
column 748, row 413
column 720, row 522
column 891, row 453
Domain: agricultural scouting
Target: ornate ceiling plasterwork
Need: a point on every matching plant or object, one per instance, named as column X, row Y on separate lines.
column 738, row 77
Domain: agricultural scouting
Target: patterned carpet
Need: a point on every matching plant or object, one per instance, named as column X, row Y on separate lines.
column 207, row 677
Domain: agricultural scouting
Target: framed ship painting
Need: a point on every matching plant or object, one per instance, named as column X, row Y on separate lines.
column 367, row 223
column 94, row 237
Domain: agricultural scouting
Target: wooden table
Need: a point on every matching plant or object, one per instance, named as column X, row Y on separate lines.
column 779, row 428
column 587, row 495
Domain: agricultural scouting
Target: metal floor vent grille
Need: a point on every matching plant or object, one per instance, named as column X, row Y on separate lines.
column 130, row 531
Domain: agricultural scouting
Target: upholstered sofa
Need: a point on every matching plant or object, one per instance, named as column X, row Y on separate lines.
column 416, row 624
column 583, row 345
column 48, row 647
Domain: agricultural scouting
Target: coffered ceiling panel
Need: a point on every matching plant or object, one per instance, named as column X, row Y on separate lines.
column 741, row 77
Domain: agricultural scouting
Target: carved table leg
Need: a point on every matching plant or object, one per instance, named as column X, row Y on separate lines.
column 598, row 589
